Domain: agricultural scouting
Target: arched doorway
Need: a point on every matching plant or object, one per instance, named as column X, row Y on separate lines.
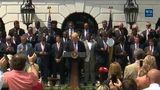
column 79, row 19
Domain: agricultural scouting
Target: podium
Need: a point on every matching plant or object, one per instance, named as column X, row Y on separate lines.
column 74, row 57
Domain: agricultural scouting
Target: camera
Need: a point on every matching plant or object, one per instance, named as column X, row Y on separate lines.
column 114, row 78
column 141, row 63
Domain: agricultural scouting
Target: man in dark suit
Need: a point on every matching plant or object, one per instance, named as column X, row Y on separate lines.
column 58, row 63
column 153, row 50
column 86, row 31
column 10, row 48
column 134, row 33
column 70, row 29
column 75, row 65
column 119, row 31
column 104, row 26
column 54, row 32
column 16, row 32
column 42, row 51
column 133, row 46
column 148, row 33
column 121, row 52
column 38, row 30
column 101, row 51
column 31, row 37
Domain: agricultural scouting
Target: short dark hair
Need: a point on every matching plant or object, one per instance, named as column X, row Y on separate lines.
column 139, row 53
column 54, row 21
column 16, row 21
column 18, row 61
column 129, row 84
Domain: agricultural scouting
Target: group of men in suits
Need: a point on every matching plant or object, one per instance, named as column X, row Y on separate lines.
column 50, row 45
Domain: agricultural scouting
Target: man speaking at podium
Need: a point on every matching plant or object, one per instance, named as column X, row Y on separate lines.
column 76, row 51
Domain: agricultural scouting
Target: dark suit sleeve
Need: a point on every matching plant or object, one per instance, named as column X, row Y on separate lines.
column 53, row 51
column 22, row 32
column 31, row 50
column 48, row 49
column 36, row 49
column 83, row 47
column 66, row 48
column 10, row 33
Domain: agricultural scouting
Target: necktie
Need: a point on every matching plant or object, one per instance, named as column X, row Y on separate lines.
column 75, row 46
column 58, row 45
column 24, row 47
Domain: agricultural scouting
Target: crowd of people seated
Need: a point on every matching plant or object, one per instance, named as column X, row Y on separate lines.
column 29, row 59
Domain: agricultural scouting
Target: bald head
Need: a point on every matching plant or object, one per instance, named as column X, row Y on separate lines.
column 134, row 26
column 154, row 75
column 120, row 25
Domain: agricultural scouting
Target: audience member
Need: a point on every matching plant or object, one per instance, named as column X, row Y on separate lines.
column 115, row 68
column 25, row 47
column 10, row 48
column 131, row 71
column 149, row 63
column 153, row 80
column 18, row 79
column 129, row 84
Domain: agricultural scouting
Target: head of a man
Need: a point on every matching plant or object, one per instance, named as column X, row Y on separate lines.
column 139, row 54
column 37, row 24
column 75, row 37
column 86, row 25
column 65, row 34
column 137, row 39
column 153, row 76
column 120, row 25
column 148, row 25
column 104, row 23
column 43, row 40
column 134, row 29
column 8, row 39
column 16, row 24
column 18, row 62
column 58, row 39
column 30, row 30
column 71, row 25
column 54, row 24
column 24, row 39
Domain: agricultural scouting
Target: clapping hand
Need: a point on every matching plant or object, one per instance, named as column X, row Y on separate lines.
column 117, row 84
column 32, row 58
column 3, row 62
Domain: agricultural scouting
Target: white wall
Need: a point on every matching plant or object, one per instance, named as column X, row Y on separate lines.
column 60, row 9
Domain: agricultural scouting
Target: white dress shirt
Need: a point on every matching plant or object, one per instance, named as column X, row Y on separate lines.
column 153, row 86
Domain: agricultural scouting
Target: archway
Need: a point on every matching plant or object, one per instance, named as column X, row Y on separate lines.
column 79, row 19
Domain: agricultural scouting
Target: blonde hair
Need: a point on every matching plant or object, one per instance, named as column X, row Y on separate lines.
column 115, row 68
column 149, row 63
